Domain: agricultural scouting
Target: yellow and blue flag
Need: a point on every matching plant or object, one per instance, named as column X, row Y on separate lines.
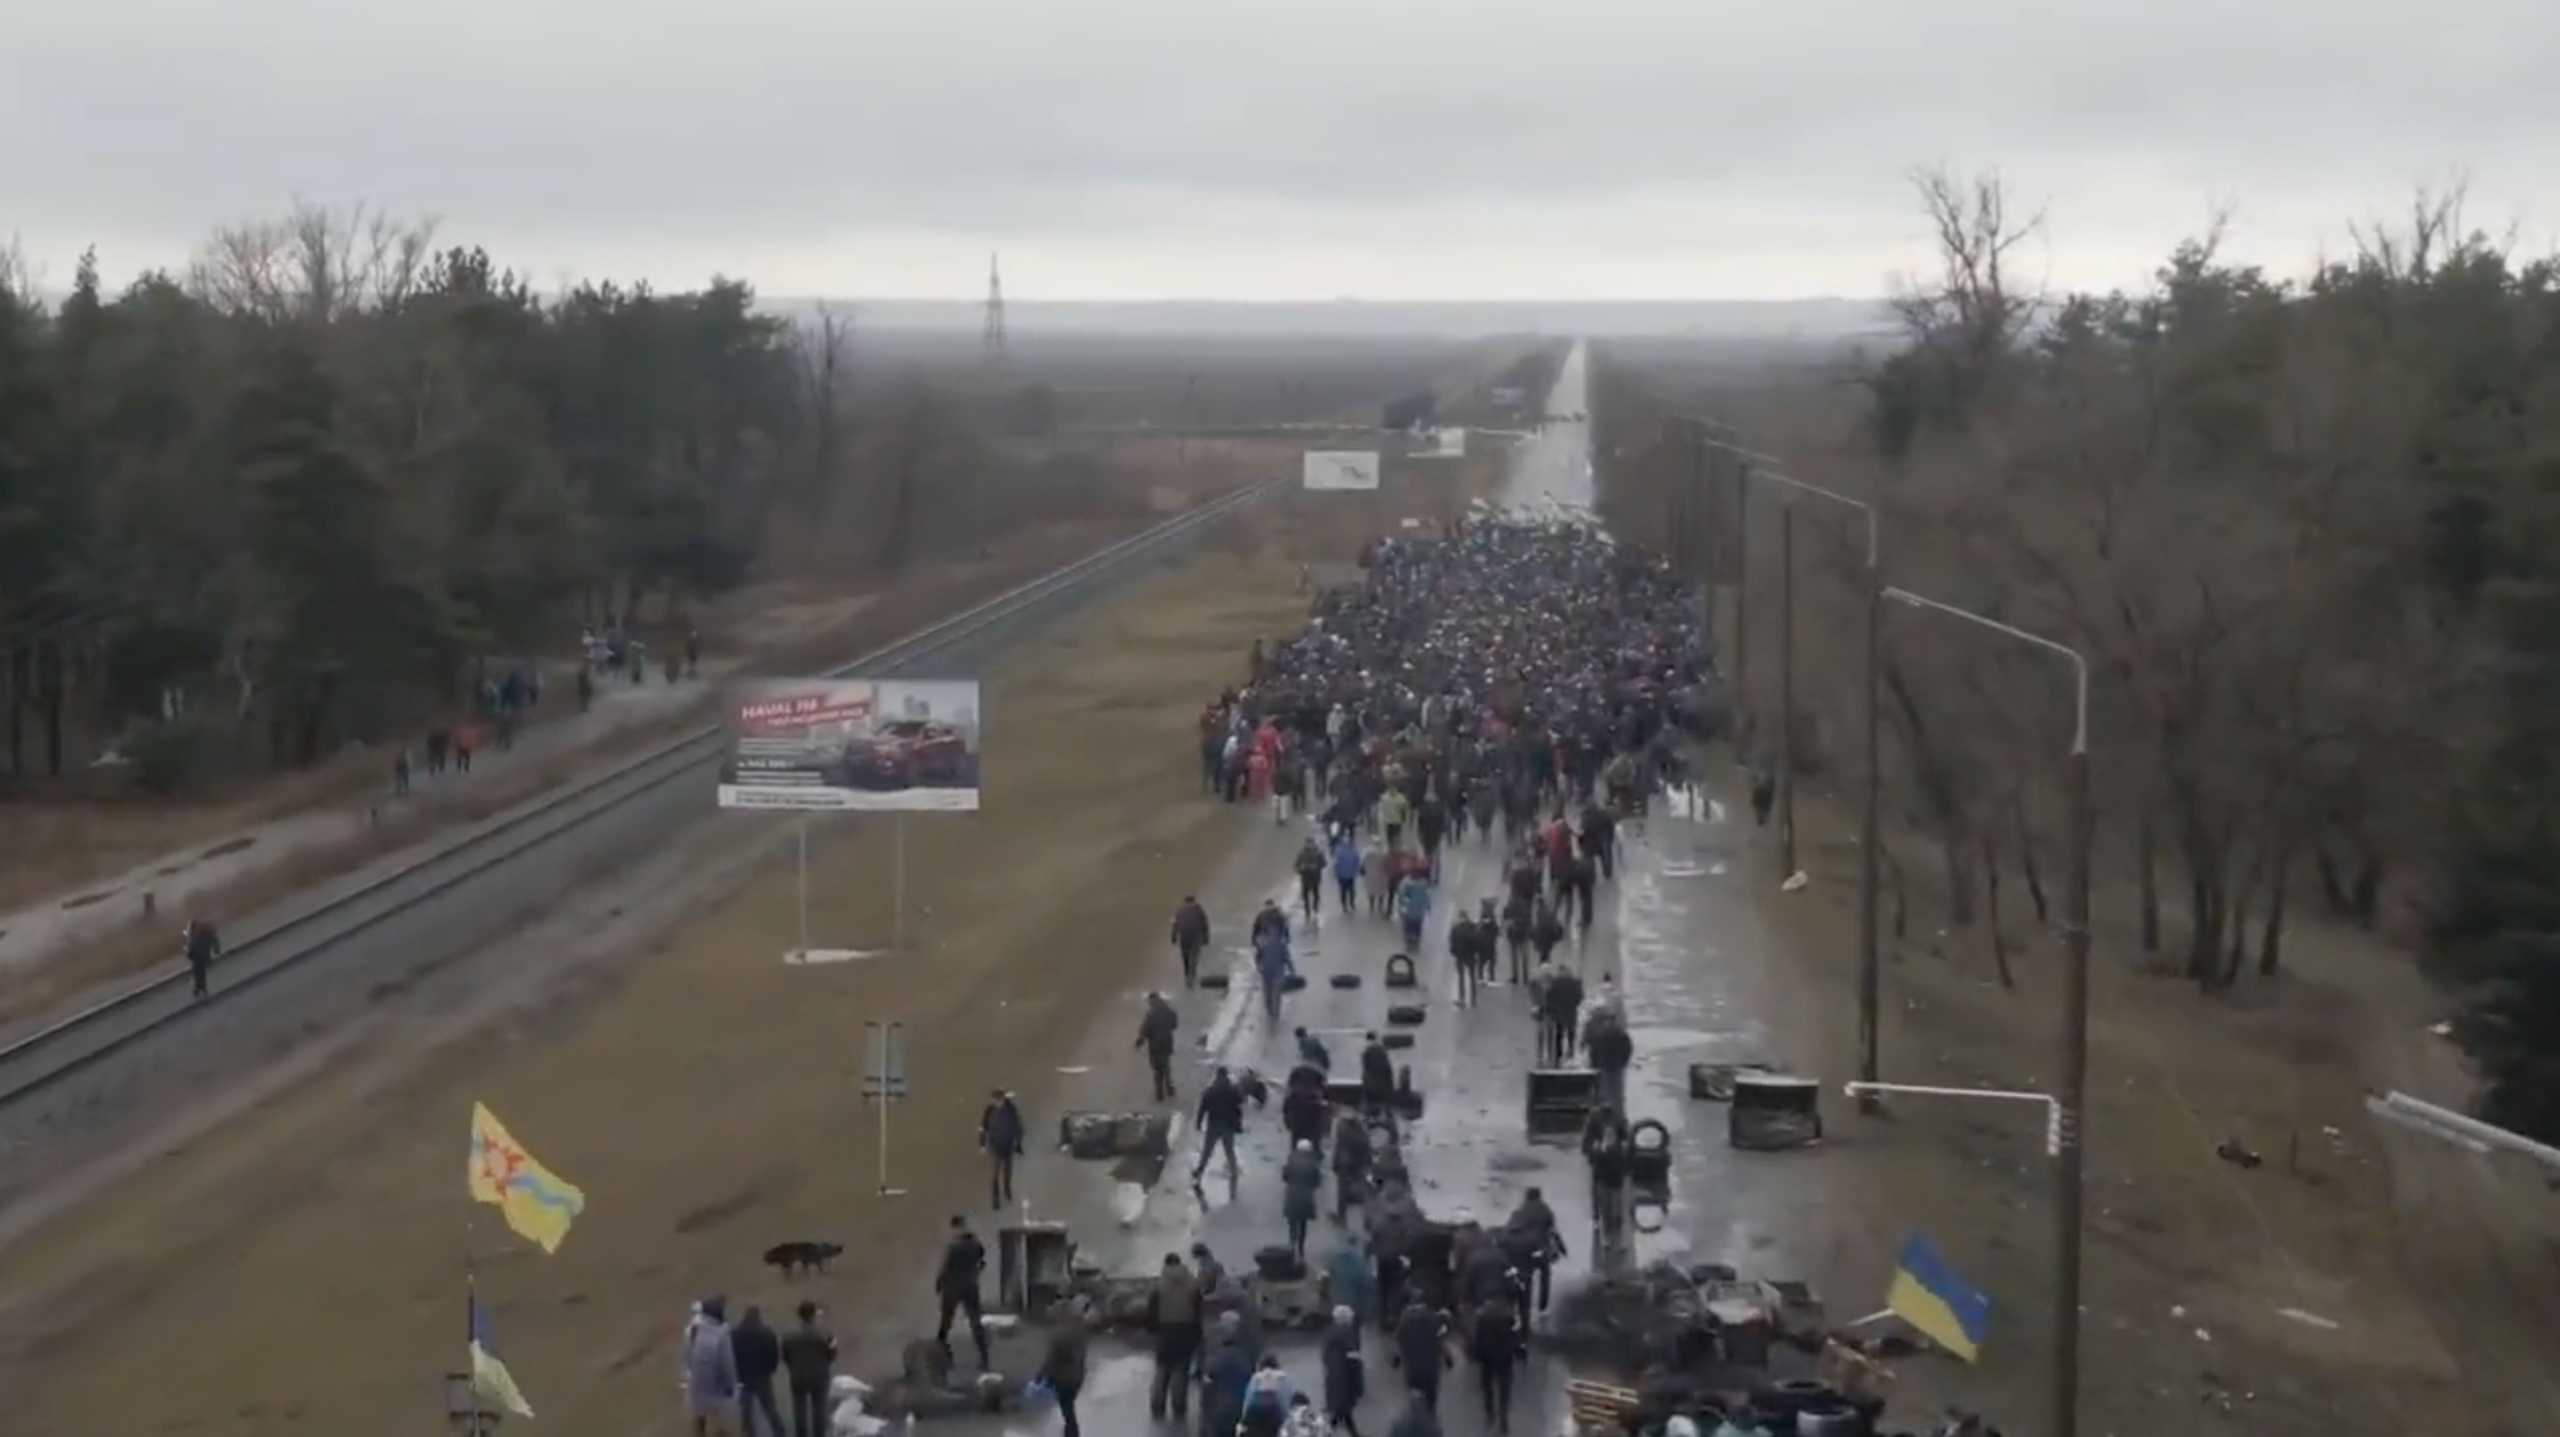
column 536, row 1202
column 1927, row 1294
column 490, row 1381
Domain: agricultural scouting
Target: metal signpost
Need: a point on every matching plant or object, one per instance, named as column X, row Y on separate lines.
column 884, row 1081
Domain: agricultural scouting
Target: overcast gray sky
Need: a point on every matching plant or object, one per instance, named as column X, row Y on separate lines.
column 1307, row 149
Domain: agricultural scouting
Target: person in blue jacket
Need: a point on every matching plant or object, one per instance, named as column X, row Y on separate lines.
column 1346, row 866
column 1413, row 905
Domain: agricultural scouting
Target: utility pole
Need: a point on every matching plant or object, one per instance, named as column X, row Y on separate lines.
column 2069, row 1104
column 1870, row 840
column 1742, row 591
column 1787, row 688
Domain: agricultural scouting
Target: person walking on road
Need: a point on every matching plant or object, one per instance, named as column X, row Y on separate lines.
column 964, row 1258
column 1346, row 866
column 759, row 1357
column 1310, row 866
column 1224, row 1376
column 1516, row 914
column 1346, row 1374
column 1267, row 921
column 1413, row 907
column 1155, row 1034
column 1173, row 1312
column 1064, row 1366
column 1350, row 1164
column 1314, row 1054
column 809, row 1360
column 1600, row 839
column 1546, row 930
column 1462, row 957
column 1605, row 1147
column 1495, row 1346
column 1000, row 1134
column 400, row 772
column 1190, row 936
column 1378, row 1082
column 1376, row 874
column 203, row 947
column 1272, row 963
column 1301, row 1178
column 1611, row 1048
column 1582, row 880
column 1529, row 1238
column 1421, row 1341
column 1564, row 1011
column 1220, row 1118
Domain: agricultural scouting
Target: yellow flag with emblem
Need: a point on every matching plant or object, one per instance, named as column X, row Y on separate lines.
column 537, row 1203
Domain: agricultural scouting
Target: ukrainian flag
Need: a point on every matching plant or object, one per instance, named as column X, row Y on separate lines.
column 536, row 1202
column 1927, row 1294
column 490, row 1381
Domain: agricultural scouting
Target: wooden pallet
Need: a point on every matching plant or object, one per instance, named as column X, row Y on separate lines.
column 1600, row 1408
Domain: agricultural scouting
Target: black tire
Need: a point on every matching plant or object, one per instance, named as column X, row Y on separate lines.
column 1214, row 980
column 1395, row 1040
column 1345, row 980
column 1407, row 1015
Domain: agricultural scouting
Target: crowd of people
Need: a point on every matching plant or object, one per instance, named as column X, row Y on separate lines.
column 1506, row 683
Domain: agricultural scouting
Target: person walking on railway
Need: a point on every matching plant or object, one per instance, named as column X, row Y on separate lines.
column 1000, row 1134
column 809, row 1359
column 203, row 946
column 1310, row 865
column 1173, row 1312
column 1155, row 1034
column 759, row 1357
column 1220, row 1118
column 1190, row 936
column 964, row 1259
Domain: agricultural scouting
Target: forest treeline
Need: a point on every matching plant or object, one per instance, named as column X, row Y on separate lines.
column 290, row 496
column 2307, row 532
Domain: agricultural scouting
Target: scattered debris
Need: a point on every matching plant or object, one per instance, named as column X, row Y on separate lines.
column 2232, row 1150
column 1795, row 881
column 2309, row 1319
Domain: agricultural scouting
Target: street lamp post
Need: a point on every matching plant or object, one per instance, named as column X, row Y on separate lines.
column 1870, row 821
column 2075, row 1023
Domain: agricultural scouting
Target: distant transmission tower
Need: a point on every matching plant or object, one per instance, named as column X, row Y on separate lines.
column 993, row 336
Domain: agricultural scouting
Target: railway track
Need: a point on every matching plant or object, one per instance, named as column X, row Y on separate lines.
column 79, row 1041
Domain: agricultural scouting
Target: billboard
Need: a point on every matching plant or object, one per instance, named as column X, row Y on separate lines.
column 1341, row 469
column 860, row 745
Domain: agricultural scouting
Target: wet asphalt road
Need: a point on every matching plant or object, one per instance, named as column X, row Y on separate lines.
column 1691, row 981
